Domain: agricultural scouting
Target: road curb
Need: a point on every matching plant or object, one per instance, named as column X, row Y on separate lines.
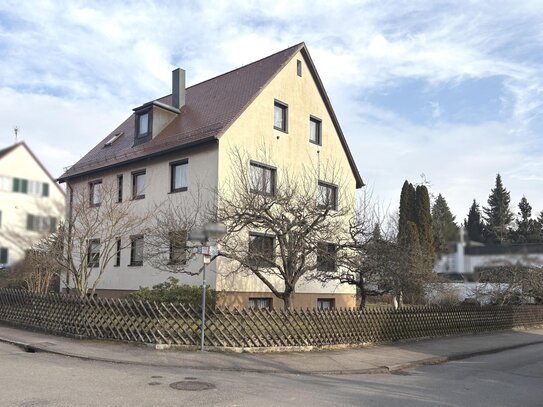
column 34, row 348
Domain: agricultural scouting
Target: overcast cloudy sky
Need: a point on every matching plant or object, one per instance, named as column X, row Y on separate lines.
column 420, row 87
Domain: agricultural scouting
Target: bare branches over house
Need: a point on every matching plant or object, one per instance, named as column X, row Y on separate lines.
column 282, row 229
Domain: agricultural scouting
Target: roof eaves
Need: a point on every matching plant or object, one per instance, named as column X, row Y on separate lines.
column 324, row 95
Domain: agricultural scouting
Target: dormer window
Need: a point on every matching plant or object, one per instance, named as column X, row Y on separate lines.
column 144, row 121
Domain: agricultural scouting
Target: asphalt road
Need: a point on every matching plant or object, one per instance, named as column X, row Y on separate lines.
column 512, row 378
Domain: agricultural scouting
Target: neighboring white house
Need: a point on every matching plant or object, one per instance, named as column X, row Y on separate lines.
column 31, row 202
column 466, row 260
column 181, row 142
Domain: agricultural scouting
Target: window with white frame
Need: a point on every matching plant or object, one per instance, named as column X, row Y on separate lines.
column 6, row 183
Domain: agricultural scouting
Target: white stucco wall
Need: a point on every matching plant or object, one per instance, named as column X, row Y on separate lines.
column 15, row 206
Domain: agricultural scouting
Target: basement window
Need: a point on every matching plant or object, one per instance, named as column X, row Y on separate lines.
column 260, row 303
column 326, row 303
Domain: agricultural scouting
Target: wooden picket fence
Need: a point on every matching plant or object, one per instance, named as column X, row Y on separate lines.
column 178, row 324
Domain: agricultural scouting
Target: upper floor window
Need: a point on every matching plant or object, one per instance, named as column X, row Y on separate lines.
column 315, row 130
column 20, row 185
column 143, row 125
column 93, row 253
column 261, row 250
column 262, row 179
column 327, row 197
column 179, row 175
column 138, row 184
column 119, row 188
column 299, row 67
column 41, row 223
column 6, row 183
column 280, row 116
column 95, row 188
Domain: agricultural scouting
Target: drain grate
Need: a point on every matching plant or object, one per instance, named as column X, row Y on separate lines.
column 192, row 386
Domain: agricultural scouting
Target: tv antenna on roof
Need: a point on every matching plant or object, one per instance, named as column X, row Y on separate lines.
column 16, row 131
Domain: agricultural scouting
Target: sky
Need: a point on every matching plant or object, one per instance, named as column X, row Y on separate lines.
column 443, row 92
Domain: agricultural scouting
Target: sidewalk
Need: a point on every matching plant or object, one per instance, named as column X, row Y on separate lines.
column 373, row 359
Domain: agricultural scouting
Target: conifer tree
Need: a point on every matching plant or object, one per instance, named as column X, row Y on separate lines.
column 473, row 224
column 526, row 227
column 444, row 228
column 424, row 223
column 498, row 215
column 407, row 209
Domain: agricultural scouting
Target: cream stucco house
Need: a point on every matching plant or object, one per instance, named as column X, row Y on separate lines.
column 183, row 141
column 31, row 202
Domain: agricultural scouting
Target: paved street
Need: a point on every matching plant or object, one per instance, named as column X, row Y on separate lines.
column 511, row 378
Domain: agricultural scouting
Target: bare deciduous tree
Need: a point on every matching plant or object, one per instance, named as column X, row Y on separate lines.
column 282, row 229
column 94, row 232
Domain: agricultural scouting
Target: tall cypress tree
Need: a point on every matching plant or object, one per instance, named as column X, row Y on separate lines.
column 424, row 224
column 444, row 228
column 498, row 215
column 473, row 224
column 407, row 209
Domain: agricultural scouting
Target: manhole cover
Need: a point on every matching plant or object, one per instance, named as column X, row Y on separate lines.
column 192, row 386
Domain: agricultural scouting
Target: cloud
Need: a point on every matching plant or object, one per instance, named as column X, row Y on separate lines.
column 72, row 70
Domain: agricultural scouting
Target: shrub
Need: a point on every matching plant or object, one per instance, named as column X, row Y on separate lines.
column 172, row 291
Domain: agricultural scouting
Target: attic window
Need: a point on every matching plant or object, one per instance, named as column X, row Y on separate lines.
column 299, row 67
column 144, row 120
column 143, row 125
column 113, row 139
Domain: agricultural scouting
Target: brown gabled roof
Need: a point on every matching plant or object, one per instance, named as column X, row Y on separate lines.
column 4, row 152
column 210, row 108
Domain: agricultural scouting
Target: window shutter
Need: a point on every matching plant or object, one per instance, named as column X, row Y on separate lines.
column 16, row 184
column 52, row 224
column 29, row 222
column 3, row 255
column 45, row 189
column 24, row 186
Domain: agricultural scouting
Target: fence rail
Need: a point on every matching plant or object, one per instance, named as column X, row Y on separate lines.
column 178, row 324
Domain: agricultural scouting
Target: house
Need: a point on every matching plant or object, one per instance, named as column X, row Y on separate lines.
column 31, row 202
column 184, row 141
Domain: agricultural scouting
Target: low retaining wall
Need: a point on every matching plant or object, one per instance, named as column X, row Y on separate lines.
column 177, row 324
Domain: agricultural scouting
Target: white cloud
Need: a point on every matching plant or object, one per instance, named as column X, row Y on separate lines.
column 72, row 71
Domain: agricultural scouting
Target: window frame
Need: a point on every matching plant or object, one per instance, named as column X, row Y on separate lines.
column 120, row 181
column 284, row 107
column 92, row 263
column 4, row 252
column 140, row 138
column 133, row 247
column 331, row 186
column 258, row 299
column 262, row 262
column 118, row 249
column 323, row 247
column 299, row 68
column 332, row 302
column 173, row 165
column 136, row 174
column 92, row 185
column 262, row 166
column 314, row 119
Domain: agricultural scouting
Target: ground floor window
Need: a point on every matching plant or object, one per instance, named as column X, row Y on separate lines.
column 3, row 255
column 136, row 250
column 326, row 303
column 260, row 303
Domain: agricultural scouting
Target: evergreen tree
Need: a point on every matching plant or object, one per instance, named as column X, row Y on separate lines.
column 539, row 228
column 424, row 223
column 444, row 228
column 498, row 215
column 526, row 227
column 473, row 224
column 407, row 209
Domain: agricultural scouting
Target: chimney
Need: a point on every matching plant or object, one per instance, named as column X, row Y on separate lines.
column 178, row 88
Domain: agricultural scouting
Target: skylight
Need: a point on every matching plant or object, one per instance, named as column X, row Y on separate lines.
column 113, row 139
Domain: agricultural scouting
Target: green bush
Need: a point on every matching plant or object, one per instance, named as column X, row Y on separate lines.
column 172, row 291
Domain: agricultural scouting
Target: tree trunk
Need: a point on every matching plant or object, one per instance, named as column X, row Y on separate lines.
column 361, row 296
column 288, row 298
